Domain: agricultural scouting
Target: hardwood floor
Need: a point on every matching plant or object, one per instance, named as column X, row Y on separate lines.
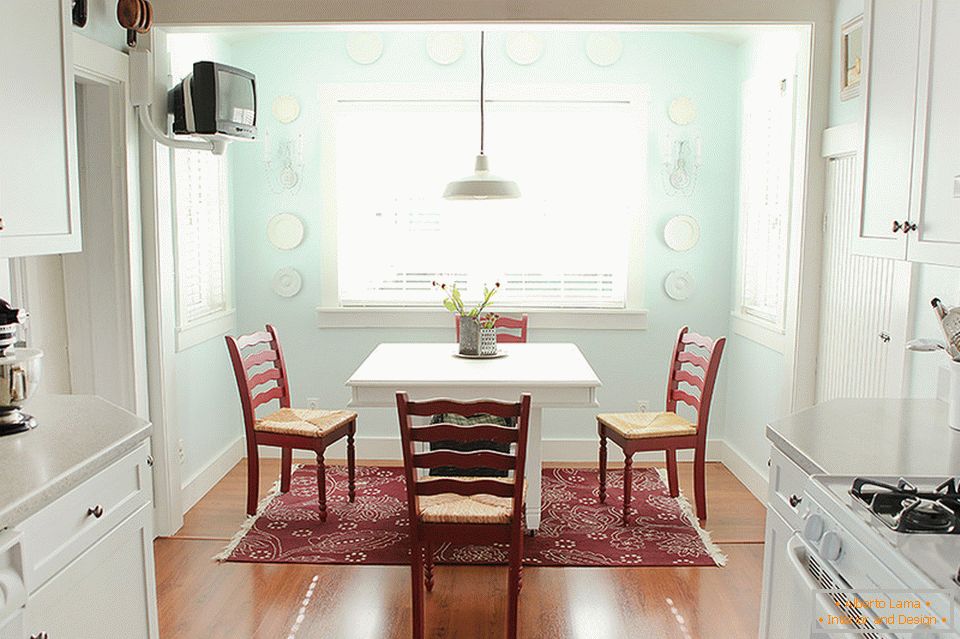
column 200, row 598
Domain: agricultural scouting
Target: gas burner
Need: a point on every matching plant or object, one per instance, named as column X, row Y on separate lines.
column 908, row 509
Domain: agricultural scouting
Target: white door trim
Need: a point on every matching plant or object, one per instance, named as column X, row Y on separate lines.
column 160, row 308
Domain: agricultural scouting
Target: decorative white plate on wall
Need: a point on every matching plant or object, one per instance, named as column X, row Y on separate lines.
column 681, row 233
column 682, row 111
column 524, row 47
column 678, row 285
column 604, row 49
column 285, row 108
column 445, row 47
column 364, row 48
column 285, row 231
column 287, row 282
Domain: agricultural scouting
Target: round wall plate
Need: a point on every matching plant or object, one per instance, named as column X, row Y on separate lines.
column 364, row 48
column 524, row 47
column 678, row 285
column 604, row 49
column 287, row 282
column 681, row 233
column 285, row 231
column 445, row 47
column 682, row 111
column 285, row 109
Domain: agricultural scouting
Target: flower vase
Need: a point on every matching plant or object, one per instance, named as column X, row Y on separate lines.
column 469, row 336
column 488, row 341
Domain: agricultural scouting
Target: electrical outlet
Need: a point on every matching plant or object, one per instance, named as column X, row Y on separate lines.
column 181, row 450
column 313, row 402
column 642, row 405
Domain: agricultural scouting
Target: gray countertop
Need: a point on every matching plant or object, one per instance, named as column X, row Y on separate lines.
column 870, row 437
column 77, row 437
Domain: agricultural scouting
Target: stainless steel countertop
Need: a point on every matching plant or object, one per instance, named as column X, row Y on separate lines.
column 77, row 437
column 870, row 437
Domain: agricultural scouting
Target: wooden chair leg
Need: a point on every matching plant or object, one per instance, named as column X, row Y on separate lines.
column 513, row 591
column 351, row 462
column 627, row 484
column 428, row 566
column 322, row 485
column 699, row 481
column 672, row 481
column 286, row 461
column 253, row 479
column 416, row 572
column 603, row 464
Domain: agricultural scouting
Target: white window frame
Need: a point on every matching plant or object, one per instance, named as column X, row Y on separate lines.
column 192, row 333
column 331, row 314
column 771, row 334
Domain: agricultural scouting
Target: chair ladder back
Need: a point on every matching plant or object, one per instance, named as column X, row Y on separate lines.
column 702, row 378
column 249, row 382
column 508, row 323
column 412, row 460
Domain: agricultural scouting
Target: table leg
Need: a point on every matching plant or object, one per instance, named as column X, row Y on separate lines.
column 533, row 468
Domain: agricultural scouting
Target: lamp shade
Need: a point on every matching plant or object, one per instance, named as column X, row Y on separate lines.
column 481, row 185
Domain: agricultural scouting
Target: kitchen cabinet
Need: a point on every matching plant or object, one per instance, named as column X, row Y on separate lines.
column 39, row 193
column 88, row 557
column 911, row 163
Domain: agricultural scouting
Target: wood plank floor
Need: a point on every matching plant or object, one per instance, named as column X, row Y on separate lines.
column 200, row 598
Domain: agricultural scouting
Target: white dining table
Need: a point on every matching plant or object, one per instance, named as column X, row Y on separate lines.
column 555, row 375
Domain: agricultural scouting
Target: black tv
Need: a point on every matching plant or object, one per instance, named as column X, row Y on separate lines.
column 215, row 100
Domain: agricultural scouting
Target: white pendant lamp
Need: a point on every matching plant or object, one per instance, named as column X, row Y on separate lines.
column 481, row 185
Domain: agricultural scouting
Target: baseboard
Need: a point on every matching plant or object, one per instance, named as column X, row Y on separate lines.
column 553, row 450
column 207, row 477
column 749, row 475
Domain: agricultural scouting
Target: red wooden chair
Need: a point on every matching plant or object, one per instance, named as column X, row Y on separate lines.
column 509, row 323
column 262, row 377
column 480, row 511
column 667, row 431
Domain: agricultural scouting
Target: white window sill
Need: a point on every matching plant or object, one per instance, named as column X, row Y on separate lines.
column 205, row 329
column 757, row 331
column 398, row 317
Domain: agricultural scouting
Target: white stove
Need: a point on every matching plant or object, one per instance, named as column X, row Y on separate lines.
column 845, row 544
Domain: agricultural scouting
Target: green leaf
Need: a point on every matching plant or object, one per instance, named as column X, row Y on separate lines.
column 449, row 305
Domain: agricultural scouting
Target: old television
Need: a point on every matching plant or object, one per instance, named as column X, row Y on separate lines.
column 215, row 100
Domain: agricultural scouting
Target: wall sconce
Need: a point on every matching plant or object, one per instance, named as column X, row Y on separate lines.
column 283, row 161
column 682, row 159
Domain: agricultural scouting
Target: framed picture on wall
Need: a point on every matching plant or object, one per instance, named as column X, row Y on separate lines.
column 851, row 51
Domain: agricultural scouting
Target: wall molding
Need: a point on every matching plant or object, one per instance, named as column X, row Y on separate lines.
column 206, row 478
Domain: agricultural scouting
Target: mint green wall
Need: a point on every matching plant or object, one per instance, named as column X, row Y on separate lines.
column 758, row 395
column 632, row 364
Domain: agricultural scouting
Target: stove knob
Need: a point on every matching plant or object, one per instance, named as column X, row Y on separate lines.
column 813, row 529
column 831, row 546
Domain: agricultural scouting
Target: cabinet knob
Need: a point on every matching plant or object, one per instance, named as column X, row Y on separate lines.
column 150, row 460
column 884, row 337
column 795, row 501
column 96, row 511
column 40, row 635
column 1, row 223
column 897, row 227
column 906, row 226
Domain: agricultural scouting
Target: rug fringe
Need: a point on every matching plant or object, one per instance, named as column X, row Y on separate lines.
column 686, row 508
column 248, row 523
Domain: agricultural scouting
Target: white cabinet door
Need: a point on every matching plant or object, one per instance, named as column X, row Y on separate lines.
column 786, row 608
column 937, row 160
column 108, row 591
column 891, row 40
column 38, row 156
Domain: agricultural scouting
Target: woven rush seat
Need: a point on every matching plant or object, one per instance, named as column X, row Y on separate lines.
column 307, row 422
column 643, row 425
column 449, row 508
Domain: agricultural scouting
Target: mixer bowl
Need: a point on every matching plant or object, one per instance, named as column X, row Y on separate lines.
column 19, row 376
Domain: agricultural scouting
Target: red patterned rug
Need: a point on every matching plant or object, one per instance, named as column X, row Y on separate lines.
column 575, row 529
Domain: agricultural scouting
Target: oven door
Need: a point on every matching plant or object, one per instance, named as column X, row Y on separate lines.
column 810, row 570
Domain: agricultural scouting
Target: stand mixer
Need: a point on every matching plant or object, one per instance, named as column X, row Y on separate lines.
column 19, row 372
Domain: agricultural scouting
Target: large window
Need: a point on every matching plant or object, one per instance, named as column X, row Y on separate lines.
column 765, row 194
column 578, row 155
column 202, row 234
